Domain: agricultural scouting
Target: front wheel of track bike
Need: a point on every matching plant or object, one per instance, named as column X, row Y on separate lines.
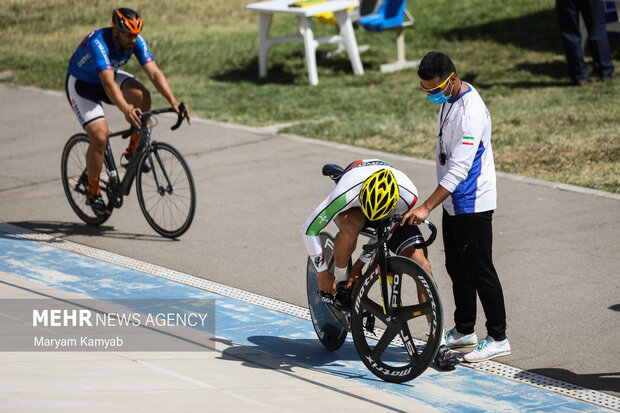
column 75, row 179
column 328, row 329
column 166, row 190
column 399, row 349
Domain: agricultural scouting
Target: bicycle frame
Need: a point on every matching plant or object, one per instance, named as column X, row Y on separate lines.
column 120, row 188
column 382, row 253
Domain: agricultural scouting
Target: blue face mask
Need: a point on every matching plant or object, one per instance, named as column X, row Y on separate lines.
column 439, row 97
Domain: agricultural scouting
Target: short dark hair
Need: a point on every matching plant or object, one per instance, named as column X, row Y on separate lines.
column 435, row 64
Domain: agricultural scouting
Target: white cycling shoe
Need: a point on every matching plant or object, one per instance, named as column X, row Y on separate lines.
column 488, row 349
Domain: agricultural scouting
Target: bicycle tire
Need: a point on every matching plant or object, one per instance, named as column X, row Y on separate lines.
column 420, row 338
column 329, row 330
column 168, row 210
column 74, row 180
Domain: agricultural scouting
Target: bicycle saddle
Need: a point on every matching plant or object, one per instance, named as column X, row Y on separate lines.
column 335, row 172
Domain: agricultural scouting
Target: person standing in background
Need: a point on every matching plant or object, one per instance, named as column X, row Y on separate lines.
column 593, row 16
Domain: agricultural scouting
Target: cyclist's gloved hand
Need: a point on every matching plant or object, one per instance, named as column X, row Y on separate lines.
column 327, row 282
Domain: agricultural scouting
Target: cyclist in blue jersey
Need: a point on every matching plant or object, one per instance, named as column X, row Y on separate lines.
column 94, row 77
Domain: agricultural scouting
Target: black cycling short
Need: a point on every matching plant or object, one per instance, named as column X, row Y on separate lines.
column 85, row 98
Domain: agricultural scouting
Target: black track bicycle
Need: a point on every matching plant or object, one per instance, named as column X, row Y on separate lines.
column 164, row 182
column 396, row 316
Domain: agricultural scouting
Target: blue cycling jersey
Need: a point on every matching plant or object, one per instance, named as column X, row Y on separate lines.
column 97, row 53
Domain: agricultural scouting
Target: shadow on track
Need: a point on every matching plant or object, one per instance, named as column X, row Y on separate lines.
column 62, row 229
column 599, row 382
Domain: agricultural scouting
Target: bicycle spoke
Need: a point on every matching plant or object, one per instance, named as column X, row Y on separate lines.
column 374, row 308
column 384, row 342
column 407, row 338
column 166, row 193
column 74, row 181
column 413, row 311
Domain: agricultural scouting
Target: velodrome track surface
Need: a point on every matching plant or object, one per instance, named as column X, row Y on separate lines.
column 556, row 250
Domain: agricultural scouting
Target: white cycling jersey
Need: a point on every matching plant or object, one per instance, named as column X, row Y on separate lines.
column 469, row 173
column 346, row 196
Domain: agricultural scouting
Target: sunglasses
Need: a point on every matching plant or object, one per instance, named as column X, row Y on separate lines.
column 436, row 89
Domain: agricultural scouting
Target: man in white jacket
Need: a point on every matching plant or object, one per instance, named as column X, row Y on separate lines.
column 467, row 189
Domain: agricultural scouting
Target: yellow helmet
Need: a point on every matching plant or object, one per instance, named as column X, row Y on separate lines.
column 379, row 195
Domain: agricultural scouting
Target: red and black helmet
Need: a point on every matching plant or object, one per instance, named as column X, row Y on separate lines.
column 126, row 20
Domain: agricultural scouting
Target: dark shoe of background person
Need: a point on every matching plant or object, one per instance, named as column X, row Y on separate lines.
column 343, row 294
column 579, row 82
column 610, row 76
column 97, row 205
column 446, row 359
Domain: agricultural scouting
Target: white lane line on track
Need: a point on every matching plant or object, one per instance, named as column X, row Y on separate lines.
column 201, row 384
column 492, row 367
column 169, row 372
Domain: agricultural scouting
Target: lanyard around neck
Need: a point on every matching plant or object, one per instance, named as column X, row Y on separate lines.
column 442, row 153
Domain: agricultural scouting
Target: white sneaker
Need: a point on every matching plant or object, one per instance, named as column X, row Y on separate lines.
column 487, row 350
column 454, row 339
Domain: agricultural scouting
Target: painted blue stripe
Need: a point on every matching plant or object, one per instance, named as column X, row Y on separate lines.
column 289, row 338
column 464, row 196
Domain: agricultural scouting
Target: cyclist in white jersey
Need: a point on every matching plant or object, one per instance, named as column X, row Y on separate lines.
column 368, row 191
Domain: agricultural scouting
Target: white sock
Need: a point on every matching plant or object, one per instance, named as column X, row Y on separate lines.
column 341, row 274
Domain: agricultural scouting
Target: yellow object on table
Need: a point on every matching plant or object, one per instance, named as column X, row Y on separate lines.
column 329, row 18
column 304, row 3
column 325, row 18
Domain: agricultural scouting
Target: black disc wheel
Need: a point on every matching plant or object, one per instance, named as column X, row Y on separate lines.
column 75, row 179
column 166, row 190
column 401, row 347
column 328, row 328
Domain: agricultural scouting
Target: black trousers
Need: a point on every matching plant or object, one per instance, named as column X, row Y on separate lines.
column 468, row 241
column 594, row 18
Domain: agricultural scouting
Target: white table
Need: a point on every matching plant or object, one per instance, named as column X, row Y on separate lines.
column 346, row 36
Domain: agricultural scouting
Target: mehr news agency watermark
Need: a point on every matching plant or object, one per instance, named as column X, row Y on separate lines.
column 105, row 325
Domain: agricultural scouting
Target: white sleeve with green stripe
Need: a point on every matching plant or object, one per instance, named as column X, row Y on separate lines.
column 335, row 203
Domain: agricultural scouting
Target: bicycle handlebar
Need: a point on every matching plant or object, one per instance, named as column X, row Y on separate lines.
column 382, row 235
column 182, row 114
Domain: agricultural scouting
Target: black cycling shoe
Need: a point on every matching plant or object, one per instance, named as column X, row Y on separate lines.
column 97, row 205
column 343, row 294
column 446, row 359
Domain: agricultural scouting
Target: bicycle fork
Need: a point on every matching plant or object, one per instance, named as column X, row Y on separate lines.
column 160, row 189
column 391, row 303
column 388, row 304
